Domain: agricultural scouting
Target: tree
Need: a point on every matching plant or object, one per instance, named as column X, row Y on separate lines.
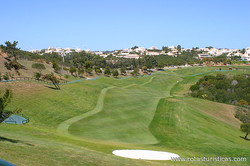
column 72, row 70
column 98, row 70
column 135, row 47
column 135, row 72
column 7, row 65
column 12, row 64
column 89, row 70
column 15, row 65
column 55, row 66
column 123, row 70
column 4, row 101
column 39, row 67
column 107, row 71
column 80, row 71
column 179, row 48
column 37, row 75
column 115, row 73
column 245, row 127
column 53, row 79
column 160, row 65
column 243, row 114
column 11, row 49
column 209, row 47
column 88, row 66
column 166, row 49
column 194, row 87
column 145, row 69
column 243, row 51
column 150, row 61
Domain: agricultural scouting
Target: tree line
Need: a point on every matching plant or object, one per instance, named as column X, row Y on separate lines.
column 88, row 61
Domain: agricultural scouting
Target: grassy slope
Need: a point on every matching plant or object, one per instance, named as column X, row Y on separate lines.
column 137, row 114
column 28, row 72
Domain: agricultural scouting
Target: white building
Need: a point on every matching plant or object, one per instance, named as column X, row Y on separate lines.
column 246, row 56
column 126, row 51
column 201, row 56
column 49, row 50
column 87, row 50
column 152, row 53
column 152, row 48
column 135, row 56
column 67, row 49
column 35, row 51
column 78, row 50
column 59, row 50
column 98, row 52
column 172, row 54
column 140, row 49
column 172, row 47
column 103, row 55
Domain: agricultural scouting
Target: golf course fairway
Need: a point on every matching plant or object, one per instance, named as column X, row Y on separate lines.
column 85, row 121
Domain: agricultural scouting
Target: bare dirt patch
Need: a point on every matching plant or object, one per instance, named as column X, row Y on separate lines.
column 173, row 99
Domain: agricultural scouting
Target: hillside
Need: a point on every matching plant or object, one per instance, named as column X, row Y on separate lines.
column 151, row 112
column 27, row 72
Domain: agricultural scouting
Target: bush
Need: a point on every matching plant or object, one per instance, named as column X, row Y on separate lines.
column 37, row 75
column 55, row 66
column 89, row 70
column 38, row 66
column 15, row 65
column 115, row 73
column 243, row 114
column 12, row 64
column 72, row 70
column 223, row 88
column 107, row 71
column 194, row 87
column 18, row 73
column 6, row 77
column 7, row 65
column 245, row 127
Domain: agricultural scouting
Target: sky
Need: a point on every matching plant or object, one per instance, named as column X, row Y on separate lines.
column 118, row 24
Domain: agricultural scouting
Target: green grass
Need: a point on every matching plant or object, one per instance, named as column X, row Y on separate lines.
column 83, row 123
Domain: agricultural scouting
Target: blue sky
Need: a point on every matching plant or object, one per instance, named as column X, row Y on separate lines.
column 117, row 24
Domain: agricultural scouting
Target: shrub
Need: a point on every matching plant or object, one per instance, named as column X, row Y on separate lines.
column 37, row 75
column 245, row 127
column 15, row 65
column 7, row 65
column 223, row 88
column 115, row 73
column 72, row 70
column 107, row 71
column 6, row 77
column 38, row 66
